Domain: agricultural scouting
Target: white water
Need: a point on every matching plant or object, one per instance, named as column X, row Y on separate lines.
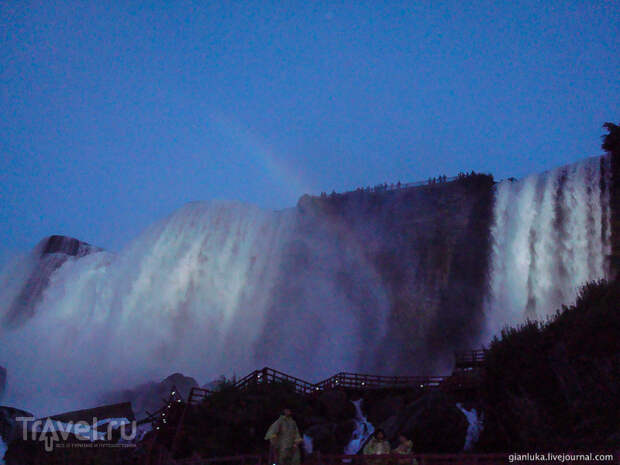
column 550, row 235
column 363, row 430
column 222, row 288
column 475, row 424
column 199, row 293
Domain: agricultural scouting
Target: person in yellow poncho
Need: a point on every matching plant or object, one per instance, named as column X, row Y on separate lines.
column 378, row 445
column 284, row 437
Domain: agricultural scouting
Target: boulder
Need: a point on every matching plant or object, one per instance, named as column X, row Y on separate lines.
column 391, row 426
column 9, row 426
column 150, row 397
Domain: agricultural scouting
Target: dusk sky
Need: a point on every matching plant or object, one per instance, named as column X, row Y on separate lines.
column 114, row 114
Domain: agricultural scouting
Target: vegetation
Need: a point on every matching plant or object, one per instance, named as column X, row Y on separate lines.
column 557, row 384
column 611, row 141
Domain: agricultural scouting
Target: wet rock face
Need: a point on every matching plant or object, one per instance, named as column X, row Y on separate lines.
column 429, row 247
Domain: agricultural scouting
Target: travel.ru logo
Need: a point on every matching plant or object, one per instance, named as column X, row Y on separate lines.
column 51, row 431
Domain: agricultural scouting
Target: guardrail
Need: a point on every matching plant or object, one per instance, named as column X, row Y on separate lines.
column 197, row 395
column 439, row 459
column 408, row 459
column 459, row 380
column 388, row 459
column 269, row 375
column 362, row 381
column 469, row 358
column 233, row 459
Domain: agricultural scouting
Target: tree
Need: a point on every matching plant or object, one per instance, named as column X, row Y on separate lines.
column 611, row 141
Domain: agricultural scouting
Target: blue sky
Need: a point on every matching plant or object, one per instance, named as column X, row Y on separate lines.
column 114, row 114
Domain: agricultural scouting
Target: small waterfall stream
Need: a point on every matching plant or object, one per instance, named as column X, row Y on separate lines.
column 363, row 430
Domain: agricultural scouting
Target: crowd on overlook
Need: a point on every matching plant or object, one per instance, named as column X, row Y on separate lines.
column 442, row 179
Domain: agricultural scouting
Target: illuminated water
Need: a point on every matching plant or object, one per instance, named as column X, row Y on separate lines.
column 550, row 235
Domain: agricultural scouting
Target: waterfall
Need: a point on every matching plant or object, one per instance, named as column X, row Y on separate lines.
column 550, row 235
column 206, row 291
column 363, row 430
column 222, row 288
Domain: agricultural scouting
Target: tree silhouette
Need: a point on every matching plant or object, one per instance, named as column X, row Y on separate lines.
column 611, row 141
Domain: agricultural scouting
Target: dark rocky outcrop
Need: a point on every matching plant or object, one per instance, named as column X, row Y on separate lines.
column 149, row 397
column 49, row 255
column 65, row 245
column 10, row 428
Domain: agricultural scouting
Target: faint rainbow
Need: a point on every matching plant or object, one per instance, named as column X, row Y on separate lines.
column 290, row 179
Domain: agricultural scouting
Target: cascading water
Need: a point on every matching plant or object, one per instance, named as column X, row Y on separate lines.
column 551, row 234
column 222, row 288
column 201, row 292
column 363, row 430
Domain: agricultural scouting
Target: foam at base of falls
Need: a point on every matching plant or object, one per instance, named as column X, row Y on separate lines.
column 550, row 235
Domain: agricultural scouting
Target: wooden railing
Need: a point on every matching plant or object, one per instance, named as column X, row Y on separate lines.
column 362, row 381
column 402, row 459
column 269, row 375
column 390, row 459
column 197, row 395
column 469, row 358
column 229, row 460
column 441, row 459
column 460, row 379
column 465, row 381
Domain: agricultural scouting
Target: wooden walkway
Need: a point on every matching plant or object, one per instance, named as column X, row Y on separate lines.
column 466, row 376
